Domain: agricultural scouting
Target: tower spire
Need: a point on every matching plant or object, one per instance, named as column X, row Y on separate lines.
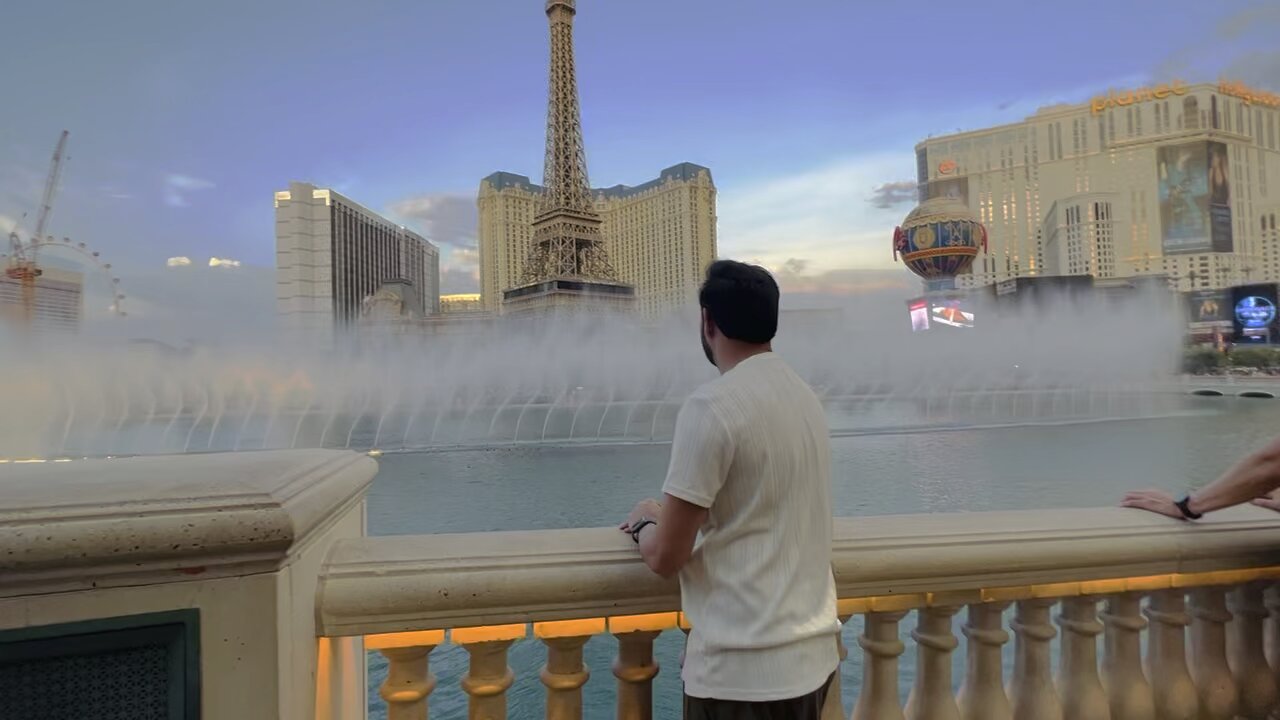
column 567, row 242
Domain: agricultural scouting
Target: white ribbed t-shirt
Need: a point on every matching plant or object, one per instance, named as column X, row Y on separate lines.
column 753, row 447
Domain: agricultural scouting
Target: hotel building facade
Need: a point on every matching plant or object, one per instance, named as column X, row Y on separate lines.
column 659, row 236
column 1173, row 179
column 332, row 254
column 59, row 301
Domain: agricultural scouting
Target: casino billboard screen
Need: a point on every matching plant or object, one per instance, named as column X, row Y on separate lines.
column 1254, row 310
column 919, row 309
column 1195, row 197
column 953, row 312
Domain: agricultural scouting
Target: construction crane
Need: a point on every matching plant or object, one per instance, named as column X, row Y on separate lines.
column 22, row 260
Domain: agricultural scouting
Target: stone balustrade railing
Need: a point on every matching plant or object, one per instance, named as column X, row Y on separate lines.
column 1100, row 578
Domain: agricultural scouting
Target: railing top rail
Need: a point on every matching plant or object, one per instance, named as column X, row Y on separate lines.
column 429, row 582
column 131, row 521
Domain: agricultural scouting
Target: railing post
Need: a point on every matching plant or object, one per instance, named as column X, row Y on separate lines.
column 982, row 697
column 931, row 697
column 409, row 681
column 1082, row 695
column 1031, row 691
column 1258, row 692
column 880, row 651
column 1128, row 691
column 564, row 674
column 1214, row 683
column 635, row 670
column 1171, row 686
column 488, row 675
column 1272, row 647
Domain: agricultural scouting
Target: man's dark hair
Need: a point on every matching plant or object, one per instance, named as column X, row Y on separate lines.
column 742, row 301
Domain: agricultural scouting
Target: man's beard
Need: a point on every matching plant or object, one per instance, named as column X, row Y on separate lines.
column 706, row 349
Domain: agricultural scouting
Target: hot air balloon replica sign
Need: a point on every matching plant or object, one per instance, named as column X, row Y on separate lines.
column 937, row 241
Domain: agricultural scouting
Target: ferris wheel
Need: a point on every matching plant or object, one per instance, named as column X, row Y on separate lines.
column 31, row 249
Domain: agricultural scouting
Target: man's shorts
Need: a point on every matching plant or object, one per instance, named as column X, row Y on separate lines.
column 807, row 707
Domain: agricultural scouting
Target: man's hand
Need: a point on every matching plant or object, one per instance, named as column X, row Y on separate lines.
column 1156, row 501
column 649, row 508
column 1270, row 502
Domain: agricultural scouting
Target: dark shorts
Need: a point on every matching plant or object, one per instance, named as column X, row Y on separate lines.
column 807, row 707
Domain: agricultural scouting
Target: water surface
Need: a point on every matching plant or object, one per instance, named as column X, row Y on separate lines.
column 1057, row 462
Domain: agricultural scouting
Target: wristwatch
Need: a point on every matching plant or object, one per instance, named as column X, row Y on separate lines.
column 1184, row 507
column 640, row 525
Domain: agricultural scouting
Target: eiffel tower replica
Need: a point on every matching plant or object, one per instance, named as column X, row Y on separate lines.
column 567, row 270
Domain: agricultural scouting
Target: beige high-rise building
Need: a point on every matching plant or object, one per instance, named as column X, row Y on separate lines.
column 660, row 236
column 332, row 254
column 1170, row 179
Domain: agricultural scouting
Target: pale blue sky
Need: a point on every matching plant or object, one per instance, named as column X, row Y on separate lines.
column 185, row 116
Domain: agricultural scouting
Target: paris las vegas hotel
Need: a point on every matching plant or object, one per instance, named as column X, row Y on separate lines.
column 1173, row 179
column 660, row 236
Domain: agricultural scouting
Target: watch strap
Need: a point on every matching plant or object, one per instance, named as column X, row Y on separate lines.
column 1184, row 507
column 642, row 524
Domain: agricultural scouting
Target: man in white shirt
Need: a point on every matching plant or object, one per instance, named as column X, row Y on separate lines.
column 750, row 469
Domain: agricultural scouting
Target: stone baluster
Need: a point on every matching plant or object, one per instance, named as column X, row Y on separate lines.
column 1215, row 685
column 1171, row 685
column 1082, row 695
column 880, row 651
column 1031, row 691
column 635, row 669
column 1272, row 645
column 982, row 697
column 488, row 675
column 1258, row 691
column 408, row 683
column 564, row 674
column 931, row 697
column 1128, row 692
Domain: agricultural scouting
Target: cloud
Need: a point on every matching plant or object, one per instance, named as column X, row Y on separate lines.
column 458, row 280
column 851, row 282
column 444, row 218
column 7, row 224
column 794, row 266
column 796, row 282
column 816, row 214
column 1258, row 67
column 464, row 256
column 1240, row 47
column 1248, row 20
column 459, row 270
column 177, row 187
column 892, row 194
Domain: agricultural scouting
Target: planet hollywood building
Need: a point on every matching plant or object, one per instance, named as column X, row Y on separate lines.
column 1173, row 179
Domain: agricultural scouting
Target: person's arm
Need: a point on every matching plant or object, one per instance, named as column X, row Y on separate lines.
column 701, row 452
column 666, row 544
column 1253, row 478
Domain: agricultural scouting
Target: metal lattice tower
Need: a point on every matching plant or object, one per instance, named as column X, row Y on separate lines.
column 566, row 232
